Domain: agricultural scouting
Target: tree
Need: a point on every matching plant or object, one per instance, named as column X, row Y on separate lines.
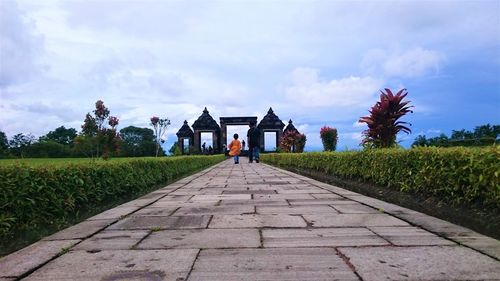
column 4, row 144
column 482, row 135
column 487, row 131
column 48, row 149
column 20, row 142
column 96, row 139
column 328, row 138
column 175, row 150
column 292, row 141
column 383, row 121
column 160, row 128
column 61, row 135
column 138, row 142
column 420, row 141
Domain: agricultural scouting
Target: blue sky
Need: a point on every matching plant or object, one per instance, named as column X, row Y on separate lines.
column 315, row 62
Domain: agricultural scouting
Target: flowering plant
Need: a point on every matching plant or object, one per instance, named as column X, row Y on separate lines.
column 328, row 138
column 292, row 141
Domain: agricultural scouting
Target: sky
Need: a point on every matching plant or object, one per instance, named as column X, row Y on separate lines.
column 315, row 62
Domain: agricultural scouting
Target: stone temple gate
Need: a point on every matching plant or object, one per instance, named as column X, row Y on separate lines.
column 190, row 139
column 225, row 121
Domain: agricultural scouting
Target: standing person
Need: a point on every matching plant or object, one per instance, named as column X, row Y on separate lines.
column 253, row 136
column 243, row 145
column 235, row 148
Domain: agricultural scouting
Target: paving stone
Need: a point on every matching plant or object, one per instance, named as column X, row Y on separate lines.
column 29, row 258
column 138, row 203
column 260, row 187
column 281, row 196
column 422, row 263
column 210, row 191
column 112, row 240
column 255, row 191
column 380, row 205
column 326, row 196
column 320, row 237
column 270, row 264
column 157, row 212
column 435, row 225
column 215, row 210
column 255, row 202
column 170, row 198
column 153, row 196
column 351, row 220
column 337, row 190
column 323, row 201
column 162, row 222
column 168, row 204
column 480, row 242
column 172, row 265
column 81, row 230
column 292, row 190
column 354, row 208
column 409, row 236
column 256, row 221
column 294, row 210
column 221, row 197
column 202, row 238
column 186, row 192
column 115, row 213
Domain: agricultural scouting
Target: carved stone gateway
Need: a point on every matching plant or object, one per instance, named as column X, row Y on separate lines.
column 270, row 123
column 185, row 133
column 206, row 124
column 225, row 121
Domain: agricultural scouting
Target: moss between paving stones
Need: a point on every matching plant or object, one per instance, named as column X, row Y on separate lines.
column 460, row 185
column 37, row 201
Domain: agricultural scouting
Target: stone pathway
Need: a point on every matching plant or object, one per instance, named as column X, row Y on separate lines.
column 257, row 222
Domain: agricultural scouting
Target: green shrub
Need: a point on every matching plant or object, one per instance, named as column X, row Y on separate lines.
column 34, row 196
column 457, row 175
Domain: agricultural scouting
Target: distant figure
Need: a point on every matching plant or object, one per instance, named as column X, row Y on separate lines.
column 243, row 145
column 210, row 149
column 203, row 147
column 253, row 136
column 235, row 148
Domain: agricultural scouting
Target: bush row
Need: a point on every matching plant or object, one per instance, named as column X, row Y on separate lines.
column 34, row 196
column 455, row 175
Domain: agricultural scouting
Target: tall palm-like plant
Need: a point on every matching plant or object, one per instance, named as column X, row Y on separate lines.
column 383, row 121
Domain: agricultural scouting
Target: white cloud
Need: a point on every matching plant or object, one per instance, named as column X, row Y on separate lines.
column 411, row 63
column 358, row 124
column 315, row 92
column 172, row 58
column 434, row 131
column 20, row 46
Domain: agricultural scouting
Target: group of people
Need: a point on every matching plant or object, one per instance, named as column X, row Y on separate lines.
column 253, row 137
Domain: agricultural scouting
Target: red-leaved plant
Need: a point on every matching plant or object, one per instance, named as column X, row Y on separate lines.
column 383, row 121
column 328, row 138
column 96, row 139
column 292, row 141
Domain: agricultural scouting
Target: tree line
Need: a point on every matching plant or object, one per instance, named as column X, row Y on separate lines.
column 98, row 138
column 60, row 143
column 481, row 136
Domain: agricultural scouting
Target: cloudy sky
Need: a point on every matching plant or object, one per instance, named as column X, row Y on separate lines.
column 315, row 62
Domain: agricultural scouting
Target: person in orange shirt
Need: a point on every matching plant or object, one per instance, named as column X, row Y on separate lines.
column 234, row 149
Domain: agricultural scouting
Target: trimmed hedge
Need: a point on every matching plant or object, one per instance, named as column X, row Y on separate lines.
column 34, row 196
column 455, row 175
